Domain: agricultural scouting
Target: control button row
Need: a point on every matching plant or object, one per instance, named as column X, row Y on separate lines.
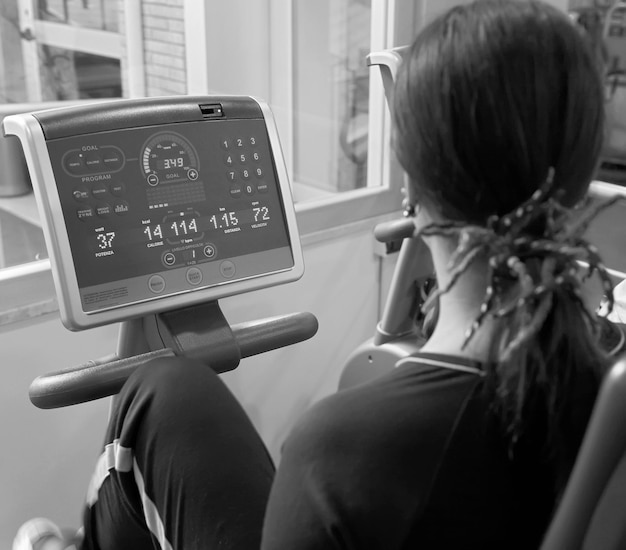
column 156, row 283
column 169, row 259
column 102, row 210
column 99, row 191
column 238, row 142
column 194, row 276
column 246, row 174
column 103, row 159
column 237, row 191
column 153, row 179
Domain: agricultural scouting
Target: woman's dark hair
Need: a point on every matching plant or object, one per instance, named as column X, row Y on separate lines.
column 493, row 100
column 491, row 95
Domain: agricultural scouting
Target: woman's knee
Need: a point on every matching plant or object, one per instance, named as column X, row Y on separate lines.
column 169, row 381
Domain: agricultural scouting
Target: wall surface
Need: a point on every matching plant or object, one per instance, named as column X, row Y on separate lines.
column 164, row 47
column 47, row 456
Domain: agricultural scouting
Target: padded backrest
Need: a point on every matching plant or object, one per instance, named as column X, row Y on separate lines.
column 389, row 62
column 602, row 449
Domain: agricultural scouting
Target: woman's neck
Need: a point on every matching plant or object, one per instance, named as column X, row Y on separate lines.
column 459, row 308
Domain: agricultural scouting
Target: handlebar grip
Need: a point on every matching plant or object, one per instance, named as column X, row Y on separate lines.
column 256, row 337
column 106, row 376
column 89, row 381
column 394, row 230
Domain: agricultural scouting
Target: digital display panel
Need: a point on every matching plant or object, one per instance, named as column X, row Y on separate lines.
column 154, row 211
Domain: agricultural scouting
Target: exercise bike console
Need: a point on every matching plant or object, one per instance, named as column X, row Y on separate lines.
column 152, row 210
column 159, row 203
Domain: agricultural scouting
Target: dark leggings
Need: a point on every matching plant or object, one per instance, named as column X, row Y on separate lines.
column 182, row 466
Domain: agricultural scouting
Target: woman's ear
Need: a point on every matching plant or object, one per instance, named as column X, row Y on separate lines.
column 420, row 209
column 424, row 214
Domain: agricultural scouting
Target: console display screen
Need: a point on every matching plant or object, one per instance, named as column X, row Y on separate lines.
column 154, row 211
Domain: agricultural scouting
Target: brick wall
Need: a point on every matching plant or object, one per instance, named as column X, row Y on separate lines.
column 121, row 26
column 164, row 48
column 164, row 43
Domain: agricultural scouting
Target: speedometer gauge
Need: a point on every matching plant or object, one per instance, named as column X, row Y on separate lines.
column 169, row 158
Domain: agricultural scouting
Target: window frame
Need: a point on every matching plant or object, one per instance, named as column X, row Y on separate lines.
column 273, row 53
column 91, row 41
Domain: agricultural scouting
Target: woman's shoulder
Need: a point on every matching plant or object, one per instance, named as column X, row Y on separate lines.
column 416, row 404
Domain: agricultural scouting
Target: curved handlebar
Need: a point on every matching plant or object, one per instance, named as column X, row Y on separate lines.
column 255, row 337
column 89, row 381
column 106, row 376
column 394, row 230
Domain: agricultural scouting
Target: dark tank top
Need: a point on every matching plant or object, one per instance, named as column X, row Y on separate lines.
column 413, row 459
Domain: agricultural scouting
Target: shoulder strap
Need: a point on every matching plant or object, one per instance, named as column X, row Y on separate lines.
column 440, row 362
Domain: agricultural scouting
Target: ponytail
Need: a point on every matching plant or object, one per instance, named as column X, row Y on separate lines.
column 499, row 115
column 546, row 360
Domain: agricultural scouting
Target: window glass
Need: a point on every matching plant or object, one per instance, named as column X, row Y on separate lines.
column 63, row 50
column 331, row 39
column 39, row 62
column 67, row 75
column 12, row 84
column 308, row 62
column 605, row 21
column 90, row 14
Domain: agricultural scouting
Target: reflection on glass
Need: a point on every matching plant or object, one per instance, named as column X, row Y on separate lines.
column 331, row 39
column 67, row 74
column 12, row 80
column 605, row 22
column 91, row 14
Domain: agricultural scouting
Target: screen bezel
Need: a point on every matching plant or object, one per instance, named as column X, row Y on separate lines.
column 31, row 134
